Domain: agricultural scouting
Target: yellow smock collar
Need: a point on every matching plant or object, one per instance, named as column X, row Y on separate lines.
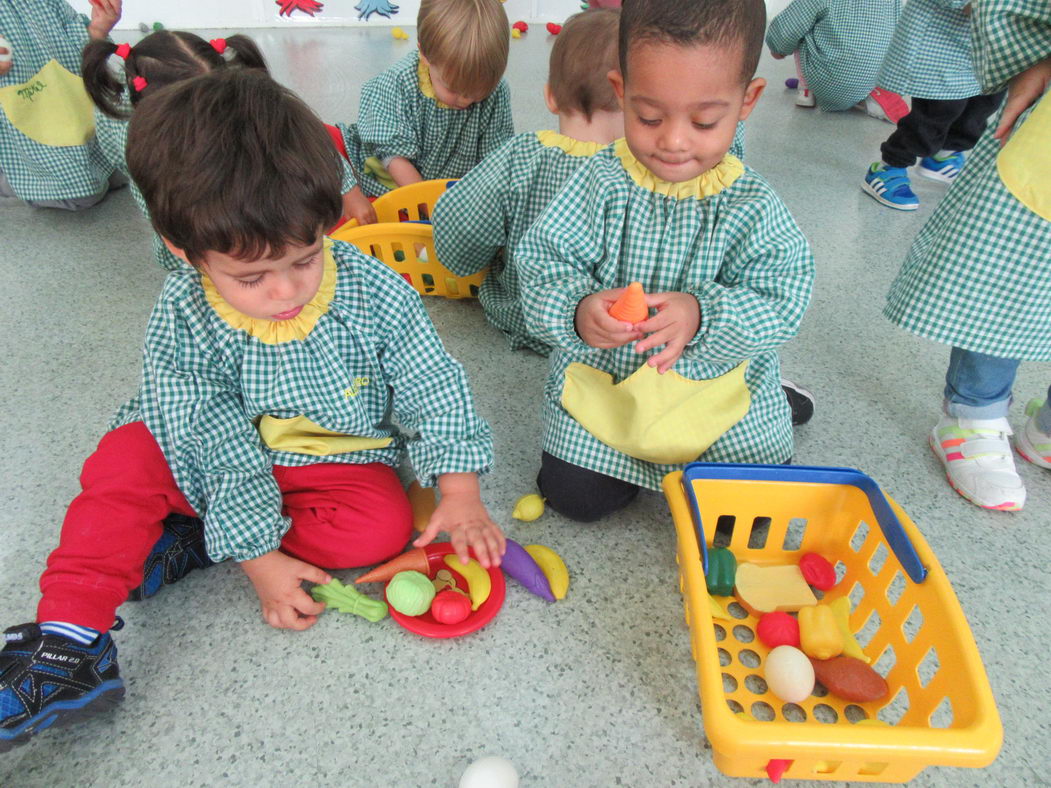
column 568, row 145
column 423, row 73
column 274, row 332
column 709, row 183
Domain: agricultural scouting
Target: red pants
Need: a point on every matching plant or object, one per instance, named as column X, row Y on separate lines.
column 343, row 516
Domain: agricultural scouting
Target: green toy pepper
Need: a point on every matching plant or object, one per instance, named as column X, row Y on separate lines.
column 722, row 569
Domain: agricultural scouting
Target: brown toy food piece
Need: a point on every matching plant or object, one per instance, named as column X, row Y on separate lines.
column 850, row 679
column 764, row 589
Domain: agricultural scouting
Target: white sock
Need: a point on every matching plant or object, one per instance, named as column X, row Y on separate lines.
column 83, row 635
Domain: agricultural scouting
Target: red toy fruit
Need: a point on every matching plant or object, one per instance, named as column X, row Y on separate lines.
column 778, row 629
column 817, row 571
column 520, row 26
column 554, row 29
column 450, row 607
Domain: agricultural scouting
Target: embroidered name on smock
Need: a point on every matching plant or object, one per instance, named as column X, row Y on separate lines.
column 29, row 91
column 355, row 387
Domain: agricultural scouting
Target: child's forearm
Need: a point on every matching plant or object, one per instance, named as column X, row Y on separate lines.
column 459, row 484
column 403, row 172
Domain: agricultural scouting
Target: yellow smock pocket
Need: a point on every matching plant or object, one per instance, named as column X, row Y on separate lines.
column 300, row 435
column 666, row 419
column 1025, row 162
column 375, row 168
column 51, row 108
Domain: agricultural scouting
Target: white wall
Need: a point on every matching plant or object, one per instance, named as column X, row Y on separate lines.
column 238, row 14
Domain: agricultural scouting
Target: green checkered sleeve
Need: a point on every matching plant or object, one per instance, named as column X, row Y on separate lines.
column 385, row 125
column 497, row 127
column 758, row 298
column 1009, row 36
column 790, row 27
column 191, row 402
column 431, row 396
column 348, row 181
column 73, row 23
column 472, row 219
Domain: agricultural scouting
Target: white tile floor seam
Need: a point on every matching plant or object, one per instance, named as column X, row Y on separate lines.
column 596, row 690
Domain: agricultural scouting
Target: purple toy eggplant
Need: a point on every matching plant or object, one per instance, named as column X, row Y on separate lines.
column 521, row 566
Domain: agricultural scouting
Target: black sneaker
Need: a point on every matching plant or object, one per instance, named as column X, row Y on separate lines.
column 179, row 551
column 800, row 400
column 50, row 680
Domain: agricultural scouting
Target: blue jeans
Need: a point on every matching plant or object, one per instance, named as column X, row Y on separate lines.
column 978, row 386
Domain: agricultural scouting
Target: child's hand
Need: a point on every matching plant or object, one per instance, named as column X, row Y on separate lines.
column 461, row 513
column 104, row 15
column 277, row 579
column 596, row 327
column 1024, row 91
column 677, row 320
column 357, row 206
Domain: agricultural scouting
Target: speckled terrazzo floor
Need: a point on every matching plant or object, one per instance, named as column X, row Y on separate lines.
column 597, row 690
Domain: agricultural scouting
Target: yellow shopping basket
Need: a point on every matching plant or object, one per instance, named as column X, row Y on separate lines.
column 904, row 614
column 412, row 203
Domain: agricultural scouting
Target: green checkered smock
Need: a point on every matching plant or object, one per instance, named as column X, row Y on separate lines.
column 930, row 52
column 737, row 250
column 372, row 358
column 489, row 210
column 841, row 44
column 41, row 30
column 396, row 119
column 978, row 276
column 112, row 135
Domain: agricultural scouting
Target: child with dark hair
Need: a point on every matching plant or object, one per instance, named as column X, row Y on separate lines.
column 49, row 157
column 929, row 58
column 158, row 60
column 480, row 221
column 275, row 370
column 440, row 110
column 721, row 260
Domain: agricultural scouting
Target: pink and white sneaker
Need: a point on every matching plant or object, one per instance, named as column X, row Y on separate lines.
column 978, row 461
column 1031, row 443
column 886, row 105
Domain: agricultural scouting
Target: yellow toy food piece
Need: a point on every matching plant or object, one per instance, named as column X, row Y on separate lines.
column 528, row 508
column 819, row 635
column 764, row 589
column 553, row 567
column 479, row 584
column 423, row 504
column 717, row 610
column 516, row 33
column 841, row 612
column 399, row 34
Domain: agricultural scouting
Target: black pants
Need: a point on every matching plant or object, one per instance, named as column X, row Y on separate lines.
column 935, row 125
column 580, row 494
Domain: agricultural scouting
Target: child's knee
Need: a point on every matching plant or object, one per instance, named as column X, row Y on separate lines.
column 581, row 494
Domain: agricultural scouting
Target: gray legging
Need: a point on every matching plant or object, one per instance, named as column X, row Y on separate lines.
column 75, row 204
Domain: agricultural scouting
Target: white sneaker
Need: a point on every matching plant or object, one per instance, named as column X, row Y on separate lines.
column 1031, row 443
column 978, row 461
column 804, row 98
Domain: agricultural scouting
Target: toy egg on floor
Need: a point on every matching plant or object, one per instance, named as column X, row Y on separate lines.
column 490, row 772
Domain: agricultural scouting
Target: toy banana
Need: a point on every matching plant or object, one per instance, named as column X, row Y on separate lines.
column 479, row 584
column 553, row 567
column 841, row 611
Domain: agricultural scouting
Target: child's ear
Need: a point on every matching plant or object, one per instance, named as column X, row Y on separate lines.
column 616, row 79
column 549, row 99
column 751, row 96
column 175, row 250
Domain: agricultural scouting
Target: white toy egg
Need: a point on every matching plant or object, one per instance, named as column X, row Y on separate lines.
column 490, row 772
column 789, row 674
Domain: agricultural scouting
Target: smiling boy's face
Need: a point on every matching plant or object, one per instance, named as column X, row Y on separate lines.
column 682, row 104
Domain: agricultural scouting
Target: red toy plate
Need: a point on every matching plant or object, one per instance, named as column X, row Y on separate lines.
column 426, row 625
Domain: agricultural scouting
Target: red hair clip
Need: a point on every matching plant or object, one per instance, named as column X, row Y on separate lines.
column 123, row 50
column 218, row 44
column 139, row 83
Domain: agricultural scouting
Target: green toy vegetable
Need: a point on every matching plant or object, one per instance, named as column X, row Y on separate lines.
column 722, row 569
column 347, row 599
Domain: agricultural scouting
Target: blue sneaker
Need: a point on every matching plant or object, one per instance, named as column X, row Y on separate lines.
column 890, row 186
column 50, row 680
column 942, row 169
column 178, row 552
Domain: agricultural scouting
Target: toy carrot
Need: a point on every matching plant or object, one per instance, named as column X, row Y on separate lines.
column 413, row 560
column 631, row 306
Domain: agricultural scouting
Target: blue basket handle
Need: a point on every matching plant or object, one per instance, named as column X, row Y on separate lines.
column 887, row 520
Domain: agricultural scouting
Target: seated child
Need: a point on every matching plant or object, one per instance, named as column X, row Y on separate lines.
column 717, row 252
column 48, row 154
column 438, row 111
column 929, row 58
column 274, row 370
column 488, row 211
column 839, row 46
column 159, row 59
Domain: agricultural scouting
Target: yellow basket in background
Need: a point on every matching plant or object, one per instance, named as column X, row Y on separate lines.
column 904, row 614
column 408, row 248
column 412, row 203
